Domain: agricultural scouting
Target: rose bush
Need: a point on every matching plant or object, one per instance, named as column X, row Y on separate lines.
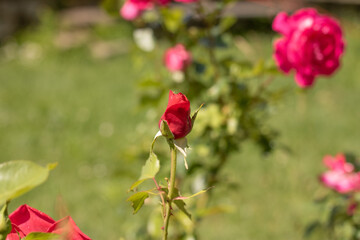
column 26, row 220
column 177, row 58
column 341, row 176
column 312, row 44
column 177, row 115
column 340, row 217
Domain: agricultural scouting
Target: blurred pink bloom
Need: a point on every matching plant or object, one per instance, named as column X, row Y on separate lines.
column 133, row 8
column 338, row 163
column 177, row 58
column 163, row 2
column 340, row 176
column 130, row 11
column 142, row 4
column 312, row 44
column 186, row 1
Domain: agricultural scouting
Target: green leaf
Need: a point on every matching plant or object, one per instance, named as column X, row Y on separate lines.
column 226, row 23
column 180, row 203
column 137, row 200
column 172, row 19
column 5, row 224
column 42, row 236
column 111, row 7
column 20, row 176
column 149, row 170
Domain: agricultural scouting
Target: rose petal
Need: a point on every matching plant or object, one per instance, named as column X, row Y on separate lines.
column 280, row 23
column 67, row 227
column 28, row 219
column 304, row 81
column 280, row 55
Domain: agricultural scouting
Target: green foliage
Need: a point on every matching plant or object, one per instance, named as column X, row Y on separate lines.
column 137, row 200
column 20, row 176
column 149, row 170
column 172, row 19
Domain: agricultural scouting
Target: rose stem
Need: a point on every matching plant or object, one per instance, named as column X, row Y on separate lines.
column 161, row 196
column 171, row 190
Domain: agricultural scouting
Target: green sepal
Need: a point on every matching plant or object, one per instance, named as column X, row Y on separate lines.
column 149, row 170
column 20, row 176
column 193, row 117
column 137, row 200
column 5, row 224
column 165, row 130
column 42, row 236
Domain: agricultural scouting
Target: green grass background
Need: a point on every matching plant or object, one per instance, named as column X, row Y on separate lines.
column 56, row 109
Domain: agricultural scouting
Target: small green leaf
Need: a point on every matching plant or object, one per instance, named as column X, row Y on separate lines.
column 149, row 170
column 165, row 130
column 180, row 203
column 5, row 224
column 137, row 200
column 20, row 176
column 194, row 195
column 42, row 236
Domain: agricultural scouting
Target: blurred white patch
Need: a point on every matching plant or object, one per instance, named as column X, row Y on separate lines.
column 178, row 76
column 232, row 125
column 106, row 129
column 30, row 52
column 198, row 183
column 144, row 39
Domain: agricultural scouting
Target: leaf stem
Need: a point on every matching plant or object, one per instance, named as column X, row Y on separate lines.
column 171, row 188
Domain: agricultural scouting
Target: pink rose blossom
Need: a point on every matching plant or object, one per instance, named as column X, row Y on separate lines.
column 340, row 176
column 130, row 11
column 338, row 163
column 134, row 8
column 186, row 1
column 177, row 58
column 312, row 44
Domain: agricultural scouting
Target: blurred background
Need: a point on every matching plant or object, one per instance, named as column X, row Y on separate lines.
column 68, row 94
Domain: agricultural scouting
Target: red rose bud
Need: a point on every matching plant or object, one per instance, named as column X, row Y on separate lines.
column 26, row 220
column 177, row 115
